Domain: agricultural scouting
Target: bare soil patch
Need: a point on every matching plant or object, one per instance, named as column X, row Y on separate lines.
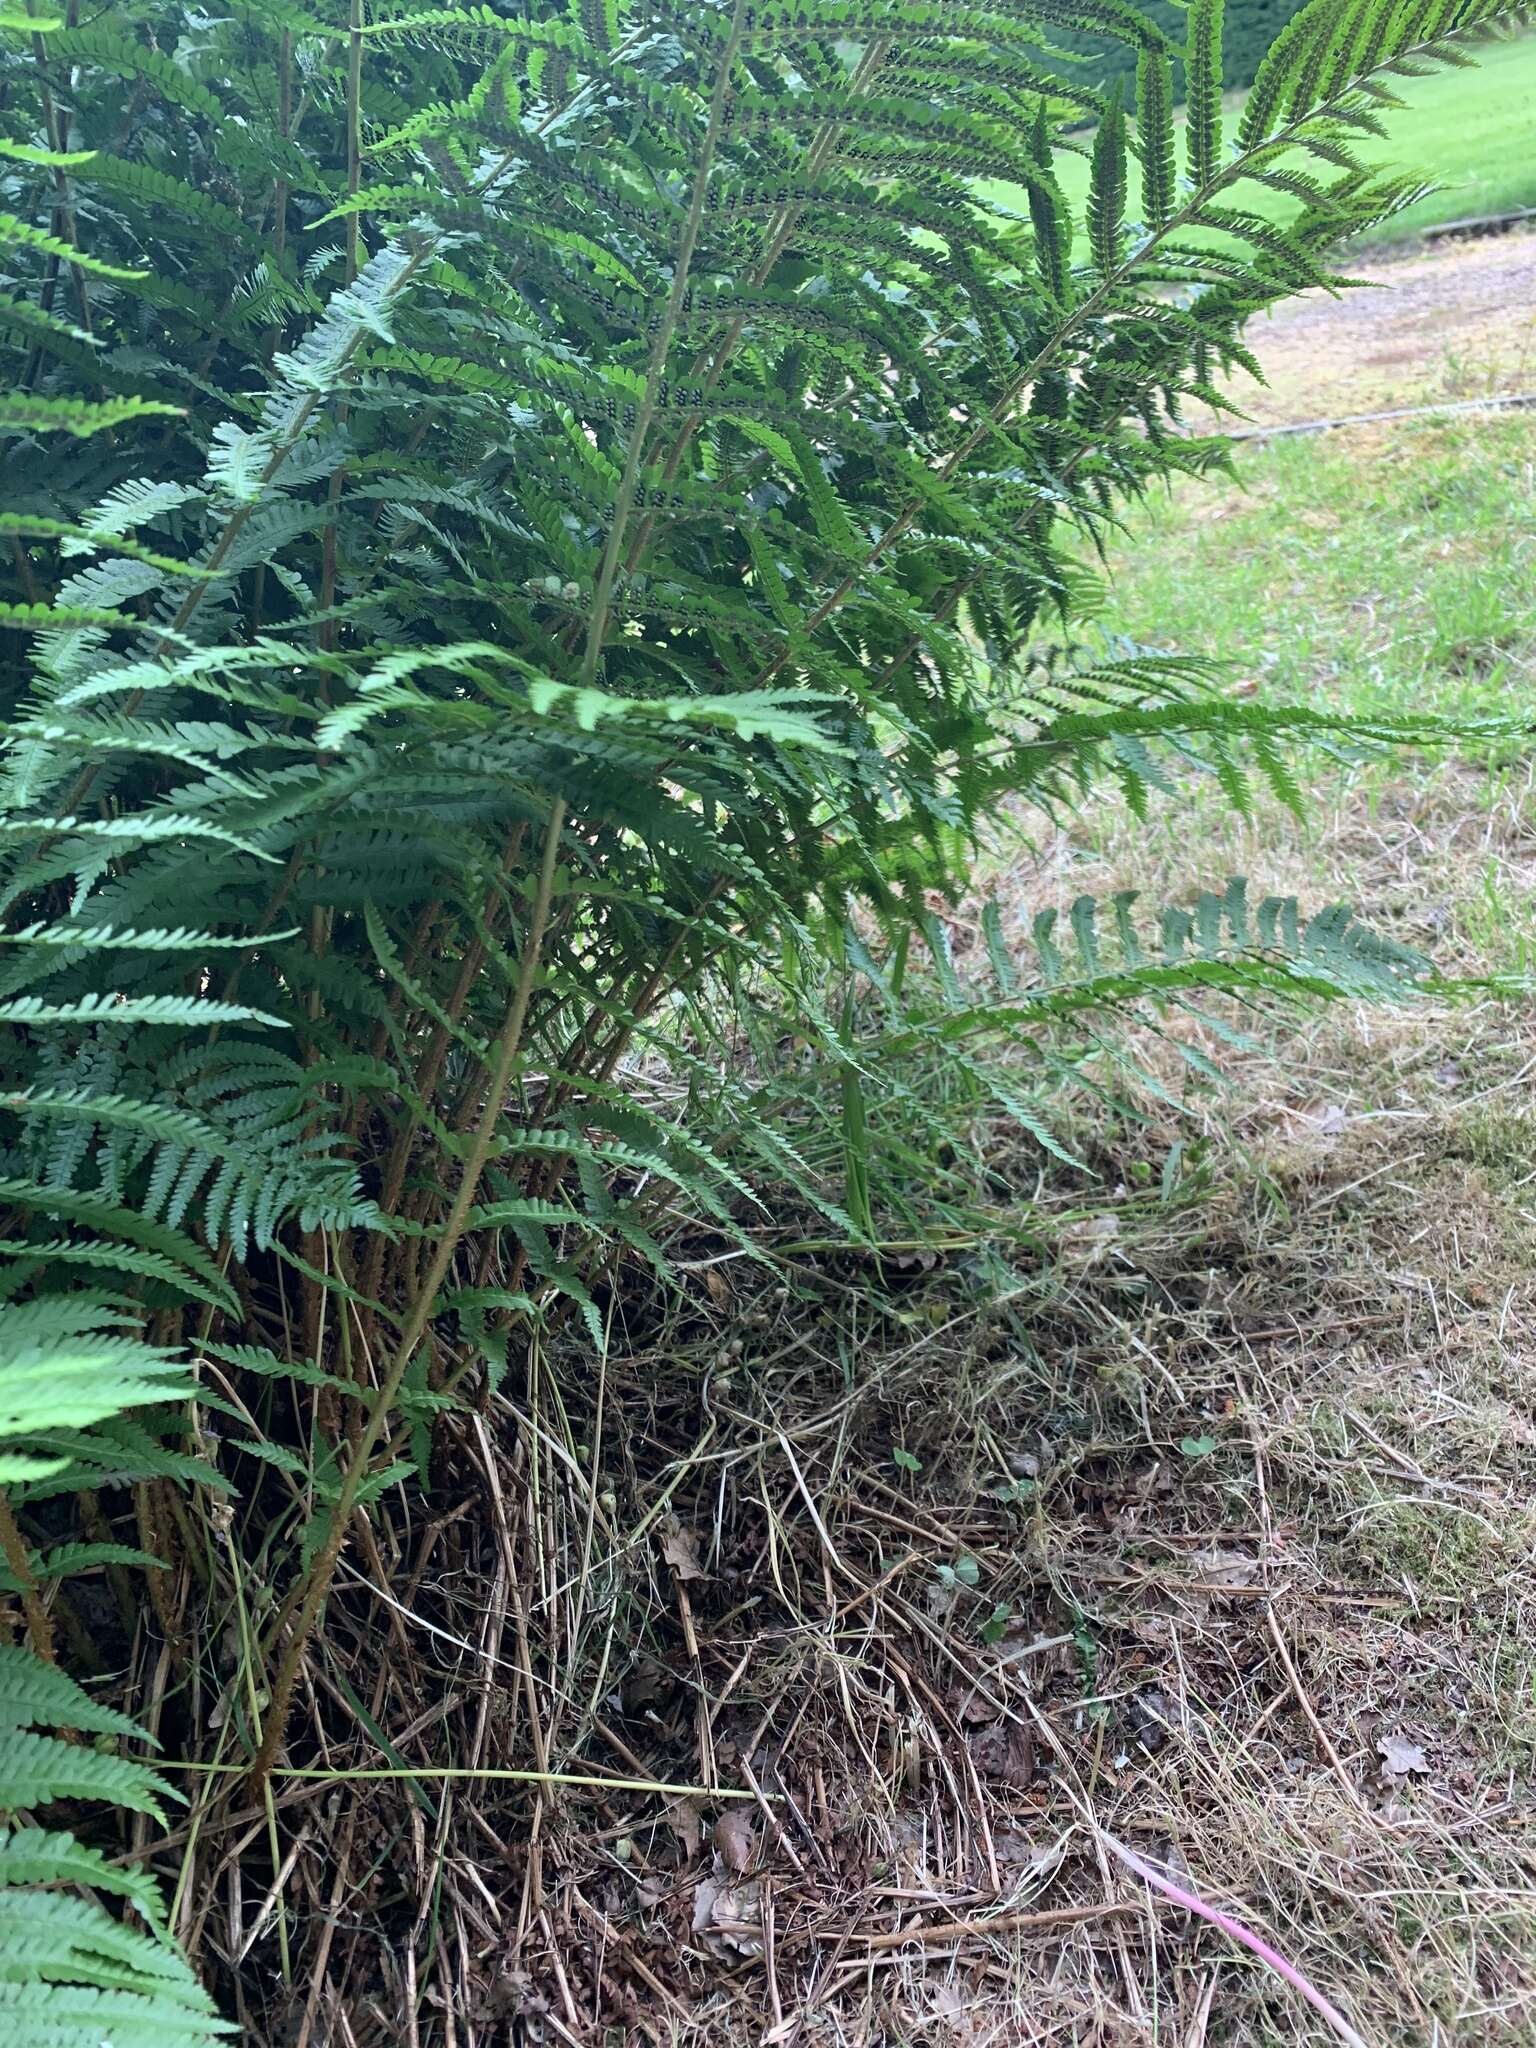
column 1454, row 321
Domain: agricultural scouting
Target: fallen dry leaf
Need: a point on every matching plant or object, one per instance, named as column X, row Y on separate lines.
column 1021, row 1856
column 1401, row 1758
column 680, row 1548
column 973, row 1708
column 735, row 1839
column 1314, row 1123
column 646, row 1686
column 683, row 1819
column 1217, row 1566
column 1147, row 1717
column 1004, row 1753
column 728, row 1918
column 904, row 1262
column 1090, row 1237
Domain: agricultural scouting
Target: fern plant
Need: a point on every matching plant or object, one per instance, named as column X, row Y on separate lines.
column 69, row 1971
column 522, row 521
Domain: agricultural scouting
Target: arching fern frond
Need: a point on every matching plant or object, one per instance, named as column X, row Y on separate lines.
column 73, row 1975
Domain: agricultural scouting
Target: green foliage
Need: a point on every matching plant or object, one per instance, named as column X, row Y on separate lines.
column 70, row 1974
column 1154, row 130
column 1202, row 76
column 550, row 549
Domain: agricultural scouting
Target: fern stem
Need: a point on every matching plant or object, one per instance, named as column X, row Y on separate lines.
column 710, row 363
column 284, row 124
column 151, row 1536
column 338, row 477
column 427, row 1075
column 354, row 130
column 543, row 1184
column 279, row 242
column 602, row 596
column 29, row 584
column 13, row 1549
column 57, row 131
column 420, row 1313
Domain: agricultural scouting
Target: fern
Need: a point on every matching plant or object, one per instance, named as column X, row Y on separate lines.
column 70, row 1974
column 1155, row 141
column 1107, row 189
column 1202, row 74
column 21, row 413
column 525, row 576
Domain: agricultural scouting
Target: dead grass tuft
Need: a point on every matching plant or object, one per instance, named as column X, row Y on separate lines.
column 1181, row 1538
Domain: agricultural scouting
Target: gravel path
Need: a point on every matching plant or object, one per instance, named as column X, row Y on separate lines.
column 1457, row 321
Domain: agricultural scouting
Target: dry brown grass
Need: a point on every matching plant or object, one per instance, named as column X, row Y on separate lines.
column 1270, row 1452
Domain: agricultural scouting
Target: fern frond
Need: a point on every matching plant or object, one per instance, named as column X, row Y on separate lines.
column 1107, row 188
column 105, row 50
column 22, row 413
column 79, row 2016
column 41, row 1856
column 68, row 1970
column 116, row 1220
column 19, row 234
column 38, row 1695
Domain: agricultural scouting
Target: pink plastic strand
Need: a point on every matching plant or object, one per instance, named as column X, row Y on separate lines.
column 1236, row 1931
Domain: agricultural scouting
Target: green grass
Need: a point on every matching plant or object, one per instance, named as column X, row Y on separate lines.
column 1473, row 132
column 1369, row 571
column 1353, row 573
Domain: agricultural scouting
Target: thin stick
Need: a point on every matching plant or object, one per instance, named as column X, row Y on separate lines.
column 999, row 1923
column 13, row 1548
column 273, row 1900
column 1324, row 1741
column 368, row 1774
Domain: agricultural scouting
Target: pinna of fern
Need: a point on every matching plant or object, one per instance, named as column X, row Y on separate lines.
column 70, row 1970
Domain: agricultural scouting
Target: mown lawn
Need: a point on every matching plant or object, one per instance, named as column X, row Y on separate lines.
column 1382, row 570
column 1366, row 1207
column 1370, row 570
column 1473, row 132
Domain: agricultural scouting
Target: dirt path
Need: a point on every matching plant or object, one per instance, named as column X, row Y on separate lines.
column 1458, row 321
